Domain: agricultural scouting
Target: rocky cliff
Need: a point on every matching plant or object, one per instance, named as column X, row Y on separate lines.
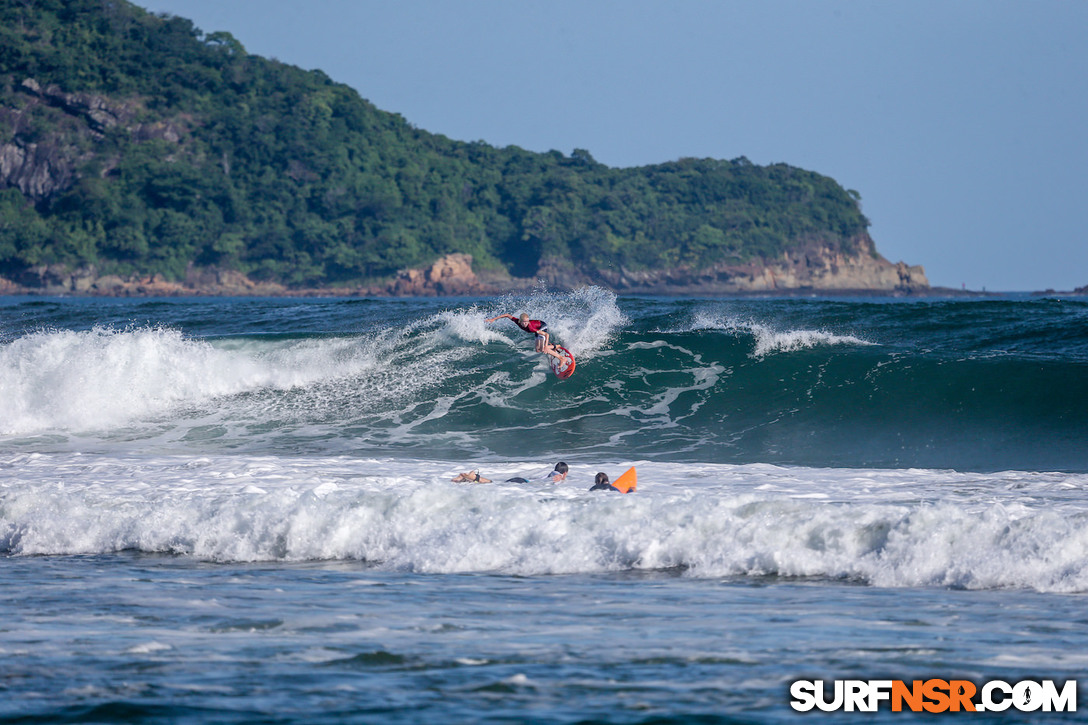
column 453, row 275
column 42, row 168
column 814, row 267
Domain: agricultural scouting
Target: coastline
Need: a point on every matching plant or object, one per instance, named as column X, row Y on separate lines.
column 453, row 276
column 159, row 289
column 150, row 291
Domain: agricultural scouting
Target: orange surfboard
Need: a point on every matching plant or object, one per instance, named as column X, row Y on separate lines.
column 628, row 482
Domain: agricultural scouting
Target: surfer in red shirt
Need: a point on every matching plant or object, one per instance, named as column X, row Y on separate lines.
column 533, row 327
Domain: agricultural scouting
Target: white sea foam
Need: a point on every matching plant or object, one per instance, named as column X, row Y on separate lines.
column 102, row 378
column 64, row 379
column 770, row 338
column 888, row 528
column 770, row 341
column 148, row 648
column 585, row 320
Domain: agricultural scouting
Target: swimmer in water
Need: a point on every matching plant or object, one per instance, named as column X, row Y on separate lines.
column 558, row 474
column 601, row 483
column 471, row 477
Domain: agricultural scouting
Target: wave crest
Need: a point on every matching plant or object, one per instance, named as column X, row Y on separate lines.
column 768, row 338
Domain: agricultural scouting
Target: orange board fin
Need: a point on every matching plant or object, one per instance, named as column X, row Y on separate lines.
column 628, row 482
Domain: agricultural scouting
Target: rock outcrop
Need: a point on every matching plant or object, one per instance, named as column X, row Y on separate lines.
column 46, row 166
column 452, row 275
column 449, row 276
column 37, row 170
column 816, row 269
column 813, row 268
column 95, row 110
column 60, row 280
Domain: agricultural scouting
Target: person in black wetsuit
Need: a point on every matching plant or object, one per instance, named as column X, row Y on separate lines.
column 601, row 483
column 558, row 474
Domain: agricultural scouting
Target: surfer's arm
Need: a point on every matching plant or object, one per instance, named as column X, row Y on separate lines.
column 510, row 317
column 470, row 477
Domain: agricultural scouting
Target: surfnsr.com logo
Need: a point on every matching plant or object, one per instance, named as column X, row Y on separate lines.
column 934, row 696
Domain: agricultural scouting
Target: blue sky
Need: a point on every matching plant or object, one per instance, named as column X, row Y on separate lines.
column 962, row 123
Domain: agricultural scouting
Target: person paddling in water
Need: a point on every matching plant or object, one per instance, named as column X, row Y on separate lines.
column 601, row 483
column 533, row 327
column 472, row 476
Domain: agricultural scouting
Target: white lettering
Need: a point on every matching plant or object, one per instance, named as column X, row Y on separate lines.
column 822, row 703
column 1027, row 696
column 879, row 690
column 993, row 696
column 856, row 696
column 804, row 698
column 988, row 700
column 1065, row 701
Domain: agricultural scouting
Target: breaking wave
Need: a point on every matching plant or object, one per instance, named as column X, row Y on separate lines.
column 883, row 528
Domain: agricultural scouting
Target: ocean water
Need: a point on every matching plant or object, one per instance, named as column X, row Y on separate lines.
column 240, row 510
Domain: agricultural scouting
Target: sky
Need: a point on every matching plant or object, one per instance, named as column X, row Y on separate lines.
column 963, row 124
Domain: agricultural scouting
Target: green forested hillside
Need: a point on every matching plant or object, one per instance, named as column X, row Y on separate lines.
column 139, row 144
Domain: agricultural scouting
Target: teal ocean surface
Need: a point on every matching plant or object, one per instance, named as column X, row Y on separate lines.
column 240, row 510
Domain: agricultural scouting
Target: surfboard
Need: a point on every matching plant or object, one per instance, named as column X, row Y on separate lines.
column 563, row 370
column 627, row 482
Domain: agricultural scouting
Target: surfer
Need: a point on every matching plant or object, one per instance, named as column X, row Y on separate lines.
column 533, row 327
column 553, row 351
column 626, row 483
column 601, row 483
column 558, row 474
column 562, row 361
column 471, row 477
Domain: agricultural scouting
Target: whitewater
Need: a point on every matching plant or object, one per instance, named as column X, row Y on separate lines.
column 241, row 510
